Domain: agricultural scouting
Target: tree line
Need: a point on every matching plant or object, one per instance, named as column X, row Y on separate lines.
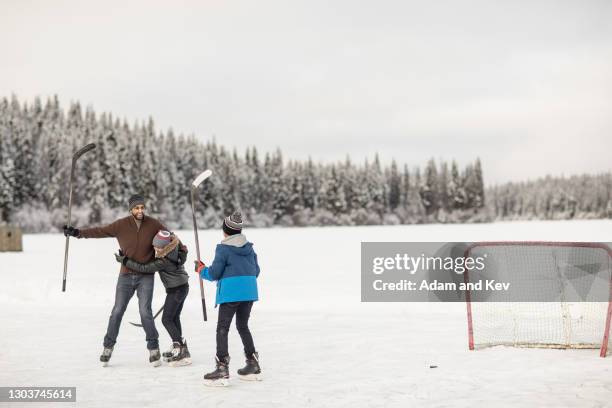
column 37, row 141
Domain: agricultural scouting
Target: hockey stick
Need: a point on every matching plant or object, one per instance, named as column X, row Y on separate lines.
column 203, row 176
column 154, row 317
column 75, row 157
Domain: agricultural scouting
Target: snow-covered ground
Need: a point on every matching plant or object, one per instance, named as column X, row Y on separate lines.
column 319, row 345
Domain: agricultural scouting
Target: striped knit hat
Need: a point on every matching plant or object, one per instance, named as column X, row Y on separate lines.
column 233, row 224
column 162, row 239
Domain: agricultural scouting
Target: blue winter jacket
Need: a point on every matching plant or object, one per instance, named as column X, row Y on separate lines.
column 235, row 269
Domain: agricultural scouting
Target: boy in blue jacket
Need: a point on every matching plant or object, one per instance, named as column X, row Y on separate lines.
column 235, row 269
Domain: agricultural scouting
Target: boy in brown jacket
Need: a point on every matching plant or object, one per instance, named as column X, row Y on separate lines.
column 134, row 234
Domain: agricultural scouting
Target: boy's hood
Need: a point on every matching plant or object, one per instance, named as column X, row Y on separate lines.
column 239, row 244
column 174, row 254
column 237, row 240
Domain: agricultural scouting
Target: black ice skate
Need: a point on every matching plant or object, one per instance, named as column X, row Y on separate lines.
column 180, row 355
column 219, row 377
column 252, row 371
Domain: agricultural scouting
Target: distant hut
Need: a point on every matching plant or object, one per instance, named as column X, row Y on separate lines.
column 10, row 238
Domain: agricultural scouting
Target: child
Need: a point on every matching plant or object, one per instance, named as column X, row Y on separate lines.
column 236, row 270
column 170, row 255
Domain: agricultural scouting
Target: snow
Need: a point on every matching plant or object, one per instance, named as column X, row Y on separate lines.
column 319, row 345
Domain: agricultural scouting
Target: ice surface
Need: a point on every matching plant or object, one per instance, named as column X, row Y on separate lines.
column 319, row 345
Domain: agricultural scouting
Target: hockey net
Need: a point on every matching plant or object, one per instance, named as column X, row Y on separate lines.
column 565, row 276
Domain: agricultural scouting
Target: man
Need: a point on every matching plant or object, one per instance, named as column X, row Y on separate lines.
column 134, row 234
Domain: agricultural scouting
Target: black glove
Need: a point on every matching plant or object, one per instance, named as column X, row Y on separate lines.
column 71, row 231
column 121, row 258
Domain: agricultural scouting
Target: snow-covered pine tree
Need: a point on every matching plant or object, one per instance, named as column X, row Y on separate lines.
column 246, row 178
column 20, row 147
column 311, row 185
column 479, row 193
column 296, row 188
column 349, row 177
column 332, row 192
column 148, row 144
column 109, row 160
column 395, row 183
column 7, row 165
column 96, row 193
column 279, row 186
column 377, row 189
column 443, row 180
column 226, row 189
column 416, row 210
column 51, row 155
column 455, row 190
column 429, row 188
column 405, row 187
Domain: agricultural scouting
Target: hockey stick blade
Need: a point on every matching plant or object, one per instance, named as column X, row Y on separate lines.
column 82, row 151
column 203, row 176
column 154, row 317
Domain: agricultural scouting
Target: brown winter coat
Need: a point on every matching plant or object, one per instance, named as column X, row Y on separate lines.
column 135, row 243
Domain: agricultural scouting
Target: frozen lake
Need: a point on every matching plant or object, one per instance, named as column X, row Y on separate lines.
column 319, row 345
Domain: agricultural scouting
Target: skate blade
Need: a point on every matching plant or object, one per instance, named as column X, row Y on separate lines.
column 105, row 364
column 180, row 363
column 224, row 382
column 156, row 363
column 251, row 377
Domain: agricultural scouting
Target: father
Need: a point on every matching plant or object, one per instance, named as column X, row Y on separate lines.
column 135, row 234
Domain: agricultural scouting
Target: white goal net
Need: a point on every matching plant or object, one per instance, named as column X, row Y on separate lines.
column 560, row 295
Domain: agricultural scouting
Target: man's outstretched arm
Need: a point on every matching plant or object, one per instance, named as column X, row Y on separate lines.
column 106, row 231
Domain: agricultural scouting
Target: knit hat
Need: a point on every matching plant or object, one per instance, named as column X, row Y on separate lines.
column 136, row 199
column 162, row 239
column 233, row 224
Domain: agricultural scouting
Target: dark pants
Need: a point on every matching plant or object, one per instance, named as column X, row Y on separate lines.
column 242, row 310
column 127, row 284
column 175, row 299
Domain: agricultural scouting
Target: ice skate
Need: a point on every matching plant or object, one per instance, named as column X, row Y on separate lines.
column 180, row 355
column 154, row 358
column 106, row 355
column 219, row 377
column 251, row 371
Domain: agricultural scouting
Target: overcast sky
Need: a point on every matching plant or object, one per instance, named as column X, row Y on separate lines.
column 525, row 85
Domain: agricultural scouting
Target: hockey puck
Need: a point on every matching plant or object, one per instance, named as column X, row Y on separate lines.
column 433, row 366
